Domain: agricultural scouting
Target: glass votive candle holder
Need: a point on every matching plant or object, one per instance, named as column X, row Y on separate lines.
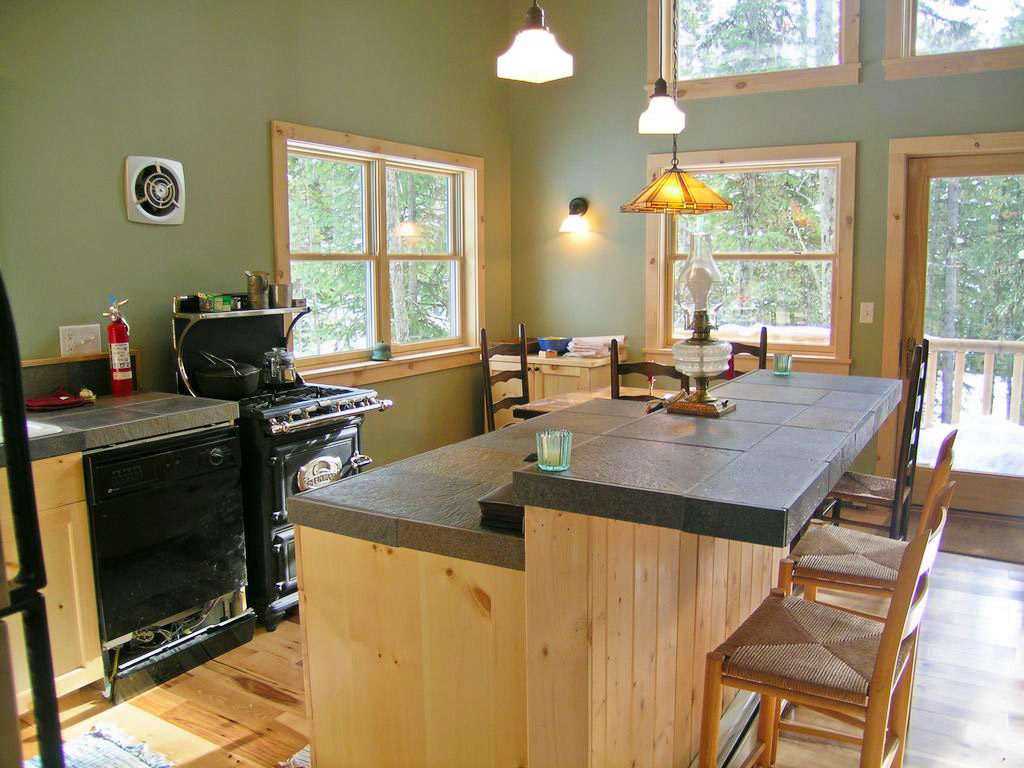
column 783, row 363
column 553, row 449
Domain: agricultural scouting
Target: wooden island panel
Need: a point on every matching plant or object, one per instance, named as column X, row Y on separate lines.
column 621, row 617
column 411, row 658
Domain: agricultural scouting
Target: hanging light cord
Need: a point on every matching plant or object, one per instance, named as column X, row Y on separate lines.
column 675, row 72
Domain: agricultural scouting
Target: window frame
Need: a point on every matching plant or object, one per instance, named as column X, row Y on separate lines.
column 903, row 62
column 661, row 253
column 846, row 72
column 465, row 243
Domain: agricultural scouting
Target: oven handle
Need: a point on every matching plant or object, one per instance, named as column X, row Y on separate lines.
column 294, row 426
column 357, row 461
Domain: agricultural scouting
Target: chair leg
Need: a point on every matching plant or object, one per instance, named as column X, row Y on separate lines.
column 895, row 520
column 780, row 710
column 711, row 712
column 786, row 575
column 899, row 711
column 872, row 748
column 811, row 592
column 767, row 723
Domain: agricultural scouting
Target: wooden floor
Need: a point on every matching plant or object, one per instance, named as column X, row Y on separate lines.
column 243, row 709
column 246, row 707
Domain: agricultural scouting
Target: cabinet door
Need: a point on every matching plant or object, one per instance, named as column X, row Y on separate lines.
column 556, row 379
column 70, row 601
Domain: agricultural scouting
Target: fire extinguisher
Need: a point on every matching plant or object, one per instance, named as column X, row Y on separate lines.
column 120, row 358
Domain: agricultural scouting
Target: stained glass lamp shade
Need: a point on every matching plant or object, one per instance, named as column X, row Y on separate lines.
column 677, row 192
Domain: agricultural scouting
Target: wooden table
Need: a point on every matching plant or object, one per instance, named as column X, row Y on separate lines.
column 566, row 399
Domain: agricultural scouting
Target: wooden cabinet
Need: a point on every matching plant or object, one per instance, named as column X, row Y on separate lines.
column 550, row 376
column 70, row 592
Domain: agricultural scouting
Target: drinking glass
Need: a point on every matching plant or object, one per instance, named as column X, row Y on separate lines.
column 783, row 363
column 553, row 449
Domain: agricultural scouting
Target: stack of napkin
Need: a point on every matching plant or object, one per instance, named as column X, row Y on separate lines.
column 593, row 346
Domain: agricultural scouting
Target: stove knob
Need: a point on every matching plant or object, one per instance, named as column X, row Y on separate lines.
column 216, row 457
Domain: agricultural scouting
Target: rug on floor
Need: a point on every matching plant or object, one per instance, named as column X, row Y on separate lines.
column 107, row 747
column 299, row 760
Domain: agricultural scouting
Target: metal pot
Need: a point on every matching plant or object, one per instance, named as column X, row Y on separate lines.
column 226, row 379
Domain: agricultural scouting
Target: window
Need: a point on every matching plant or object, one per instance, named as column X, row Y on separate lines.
column 948, row 37
column 380, row 238
column 784, row 251
column 752, row 46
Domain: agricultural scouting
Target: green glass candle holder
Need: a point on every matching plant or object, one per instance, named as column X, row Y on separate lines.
column 554, row 447
column 783, row 364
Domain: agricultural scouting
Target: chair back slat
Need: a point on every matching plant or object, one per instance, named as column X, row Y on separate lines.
column 906, row 465
column 647, row 368
column 488, row 351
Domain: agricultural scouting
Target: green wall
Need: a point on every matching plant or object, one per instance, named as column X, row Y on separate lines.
column 578, row 137
column 83, row 84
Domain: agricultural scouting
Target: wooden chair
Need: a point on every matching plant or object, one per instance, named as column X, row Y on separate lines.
column 648, row 368
column 892, row 493
column 759, row 350
column 853, row 669
column 487, row 351
column 845, row 560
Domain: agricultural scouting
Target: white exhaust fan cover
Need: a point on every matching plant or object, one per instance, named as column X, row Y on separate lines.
column 154, row 190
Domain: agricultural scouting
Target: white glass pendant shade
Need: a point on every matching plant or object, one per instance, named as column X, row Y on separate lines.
column 535, row 55
column 663, row 115
column 707, row 358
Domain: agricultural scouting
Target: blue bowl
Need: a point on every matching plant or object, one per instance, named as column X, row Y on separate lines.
column 558, row 343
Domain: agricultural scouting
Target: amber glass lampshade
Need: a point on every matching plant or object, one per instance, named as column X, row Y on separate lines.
column 676, row 191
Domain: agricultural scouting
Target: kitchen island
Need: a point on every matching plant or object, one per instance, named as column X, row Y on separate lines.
column 430, row 640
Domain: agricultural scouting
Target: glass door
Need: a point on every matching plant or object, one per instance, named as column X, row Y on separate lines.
column 964, row 292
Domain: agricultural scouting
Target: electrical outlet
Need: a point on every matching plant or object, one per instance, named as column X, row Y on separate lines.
column 867, row 312
column 80, row 340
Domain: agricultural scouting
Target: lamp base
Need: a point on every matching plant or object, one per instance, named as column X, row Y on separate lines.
column 711, row 410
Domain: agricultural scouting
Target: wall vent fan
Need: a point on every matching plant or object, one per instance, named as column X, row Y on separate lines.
column 154, row 190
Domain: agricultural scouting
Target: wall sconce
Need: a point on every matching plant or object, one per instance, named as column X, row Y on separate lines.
column 574, row 222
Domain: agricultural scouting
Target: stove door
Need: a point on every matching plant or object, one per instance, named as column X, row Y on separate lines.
column 313, row 463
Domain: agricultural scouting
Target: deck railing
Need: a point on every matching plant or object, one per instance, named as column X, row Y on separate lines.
column 960, row 349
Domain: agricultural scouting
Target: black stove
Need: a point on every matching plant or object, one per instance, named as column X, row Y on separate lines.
column 294, row 438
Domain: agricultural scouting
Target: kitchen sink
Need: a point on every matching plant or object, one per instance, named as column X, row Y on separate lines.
column 37, row 429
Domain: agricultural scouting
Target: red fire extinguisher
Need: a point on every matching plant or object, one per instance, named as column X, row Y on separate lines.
column 120, row 358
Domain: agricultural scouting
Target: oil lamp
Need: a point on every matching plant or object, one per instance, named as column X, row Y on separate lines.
column 700, row 357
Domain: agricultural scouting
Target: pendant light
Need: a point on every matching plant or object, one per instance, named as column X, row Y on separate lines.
column 677, row 192
column 663, row 115
column 534, row 56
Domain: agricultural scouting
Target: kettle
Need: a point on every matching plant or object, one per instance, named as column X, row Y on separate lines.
column 258, row 284
column 279, row 366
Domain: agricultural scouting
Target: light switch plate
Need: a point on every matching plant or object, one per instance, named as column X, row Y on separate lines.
column 867, row 312
column 80, row 340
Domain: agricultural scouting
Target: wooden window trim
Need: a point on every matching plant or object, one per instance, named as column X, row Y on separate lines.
column 903, row 62
column 467, row 211
column 847, row 72
column 843, row 155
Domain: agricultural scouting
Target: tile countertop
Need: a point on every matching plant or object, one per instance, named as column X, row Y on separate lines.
column 756, row 474
column 113, row 420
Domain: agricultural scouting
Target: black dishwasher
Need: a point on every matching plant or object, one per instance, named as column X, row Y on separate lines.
column 168, row 547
